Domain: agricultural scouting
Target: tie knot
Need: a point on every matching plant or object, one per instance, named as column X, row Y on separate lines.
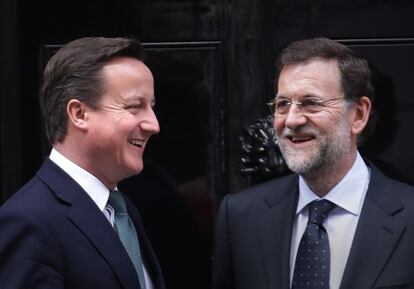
column 117, row 202
column 319, row 210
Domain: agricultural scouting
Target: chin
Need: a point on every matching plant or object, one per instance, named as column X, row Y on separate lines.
column 300, row 164
column 138, row 170
column 134, row 169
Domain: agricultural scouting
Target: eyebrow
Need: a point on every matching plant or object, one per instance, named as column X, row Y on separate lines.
column 308, row 95
column 140, row 98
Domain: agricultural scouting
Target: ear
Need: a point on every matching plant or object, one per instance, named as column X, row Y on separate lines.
column 77, row 115
column 361, row 116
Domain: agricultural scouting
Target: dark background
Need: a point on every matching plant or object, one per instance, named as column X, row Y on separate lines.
column 213, row 65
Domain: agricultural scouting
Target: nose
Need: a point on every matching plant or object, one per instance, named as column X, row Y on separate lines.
column 294, row 117
column 150, row 123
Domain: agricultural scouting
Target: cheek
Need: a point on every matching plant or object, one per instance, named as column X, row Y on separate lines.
column 125, row 123
column 278, row 125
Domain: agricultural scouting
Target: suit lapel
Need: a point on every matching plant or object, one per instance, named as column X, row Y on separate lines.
column 87, row 217
column 275, row 231
column 376, row 235
column 104, row 238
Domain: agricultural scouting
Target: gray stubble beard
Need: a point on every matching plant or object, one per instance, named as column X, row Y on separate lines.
column 324, row 159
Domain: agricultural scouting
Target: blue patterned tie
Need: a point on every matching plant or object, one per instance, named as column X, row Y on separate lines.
column 127, row 233
column 313, row 259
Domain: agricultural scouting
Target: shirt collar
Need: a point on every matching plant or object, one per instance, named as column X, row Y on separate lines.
column 348, row 194
column 98, row 192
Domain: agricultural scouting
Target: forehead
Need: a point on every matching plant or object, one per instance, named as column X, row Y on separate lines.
column 126, row 67
column 317, row 77
column 128, row 77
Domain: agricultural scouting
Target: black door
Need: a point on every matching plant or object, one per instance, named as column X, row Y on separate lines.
column 213, row 64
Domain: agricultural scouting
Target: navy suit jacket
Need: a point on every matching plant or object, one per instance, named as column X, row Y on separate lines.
column 254, row 231
column 52, row 235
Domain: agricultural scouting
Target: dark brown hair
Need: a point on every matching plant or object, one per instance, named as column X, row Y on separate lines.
column 74, row 72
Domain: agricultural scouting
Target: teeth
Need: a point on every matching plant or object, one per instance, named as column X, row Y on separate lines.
column 136, row 142
column 303, row 138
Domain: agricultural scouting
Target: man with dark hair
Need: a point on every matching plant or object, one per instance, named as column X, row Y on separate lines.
column 338, row 222
column 69, row 226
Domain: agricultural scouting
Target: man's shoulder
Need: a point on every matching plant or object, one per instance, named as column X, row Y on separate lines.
column 390, row 192
column 270, row 191
column 30, row 197
column 271, row 185
column 402, row 190
column 380, row 179
column 35, row 196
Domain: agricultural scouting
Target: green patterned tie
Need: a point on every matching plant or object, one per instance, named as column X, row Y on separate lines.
column 127, row 233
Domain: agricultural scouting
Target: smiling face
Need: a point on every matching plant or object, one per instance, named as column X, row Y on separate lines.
column 321, row 141
column 119, row 129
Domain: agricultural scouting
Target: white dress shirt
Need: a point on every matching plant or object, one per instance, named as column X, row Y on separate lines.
column 96, row 190
column 348, row 196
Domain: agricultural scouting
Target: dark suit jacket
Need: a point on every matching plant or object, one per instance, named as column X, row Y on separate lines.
column 52, row 235
column 254, row 230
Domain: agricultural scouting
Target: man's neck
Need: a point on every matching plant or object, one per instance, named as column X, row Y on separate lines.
column 77, row 158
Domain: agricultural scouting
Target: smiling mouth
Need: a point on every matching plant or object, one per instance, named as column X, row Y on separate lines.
column 300, row 139
column 137, row 142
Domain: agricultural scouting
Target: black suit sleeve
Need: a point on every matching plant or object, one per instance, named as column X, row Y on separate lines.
column 28, row 255
column 222, row 261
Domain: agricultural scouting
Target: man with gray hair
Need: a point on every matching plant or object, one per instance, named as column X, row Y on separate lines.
column 338, row 222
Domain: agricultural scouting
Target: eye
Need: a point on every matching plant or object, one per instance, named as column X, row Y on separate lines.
column 282, row 104
column 311, row 104
column 134, row 108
